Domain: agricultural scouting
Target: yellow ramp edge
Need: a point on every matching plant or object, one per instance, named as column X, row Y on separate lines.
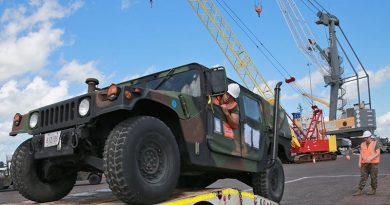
column 227, row 196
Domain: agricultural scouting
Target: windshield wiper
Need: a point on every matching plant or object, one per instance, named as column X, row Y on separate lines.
column 169, row 75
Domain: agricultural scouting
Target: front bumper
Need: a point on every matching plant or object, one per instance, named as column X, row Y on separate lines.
column 65, row 147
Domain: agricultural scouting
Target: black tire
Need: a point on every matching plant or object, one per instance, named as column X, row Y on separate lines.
column 270, row 184
column 26, row 178
column 94, row 179
column 334, row 156
column 130, row 155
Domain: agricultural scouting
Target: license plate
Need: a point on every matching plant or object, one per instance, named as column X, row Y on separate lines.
column 52, row 139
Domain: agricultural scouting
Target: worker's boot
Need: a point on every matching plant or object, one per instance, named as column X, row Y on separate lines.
column 358, row 193
column 372, row 192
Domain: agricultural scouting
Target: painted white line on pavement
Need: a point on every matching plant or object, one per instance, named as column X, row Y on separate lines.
column 313, row 177
column 103, row 190
column 82, row 194
column 336, row 176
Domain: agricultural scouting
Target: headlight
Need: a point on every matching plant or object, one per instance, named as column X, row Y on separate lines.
column 33, row 120
column 84, row 107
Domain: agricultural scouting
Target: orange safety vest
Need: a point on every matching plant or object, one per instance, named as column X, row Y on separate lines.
column 227, row 129
column 367, row 151
column 230, row 106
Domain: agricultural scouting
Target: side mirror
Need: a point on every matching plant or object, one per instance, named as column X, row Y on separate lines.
column 216, row 81
column 1, row 164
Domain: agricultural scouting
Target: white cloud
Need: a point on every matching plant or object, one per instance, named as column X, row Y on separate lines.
column 36, row 94
column 74, row 71
column 26, row 40
column 376, row 80
column 294, row 96
column 316, row 79
column 13, row 99
column 28, row 53
column 126, row 4
column 379, row 77
column 148, row 71
column 383, row 125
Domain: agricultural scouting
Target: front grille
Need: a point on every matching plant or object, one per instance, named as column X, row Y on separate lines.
column 57, row 114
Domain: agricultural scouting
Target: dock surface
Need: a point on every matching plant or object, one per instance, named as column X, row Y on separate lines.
column 321, row 183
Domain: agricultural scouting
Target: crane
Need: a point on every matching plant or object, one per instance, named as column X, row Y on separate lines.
column 238, row 57
column 317, row 99
column 329, row 62
column 231, row 47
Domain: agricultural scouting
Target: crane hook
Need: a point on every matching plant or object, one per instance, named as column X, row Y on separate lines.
column 290, row 80
column 151, row 3
column 258, row 9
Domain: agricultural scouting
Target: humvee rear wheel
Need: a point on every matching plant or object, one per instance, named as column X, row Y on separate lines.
column 28, row 179
column 141, row 161
column 270, row 183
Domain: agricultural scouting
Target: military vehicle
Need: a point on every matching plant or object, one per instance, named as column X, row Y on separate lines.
column 343, row 145
column 93, row 178
column 150, row 135
column 5, row 175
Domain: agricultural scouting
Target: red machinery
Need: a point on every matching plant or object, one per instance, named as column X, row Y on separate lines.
column 313, row 143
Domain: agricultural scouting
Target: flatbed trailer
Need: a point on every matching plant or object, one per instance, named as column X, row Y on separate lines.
column 225, row 196
column 212, row 196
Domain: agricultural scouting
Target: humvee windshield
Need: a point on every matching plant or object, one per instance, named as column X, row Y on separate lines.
column 187, row 82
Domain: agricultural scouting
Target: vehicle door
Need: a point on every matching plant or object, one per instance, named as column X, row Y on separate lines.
column 253, row 135
column 220, row 138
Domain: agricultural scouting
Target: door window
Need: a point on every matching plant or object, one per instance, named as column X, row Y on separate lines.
column 252, row 108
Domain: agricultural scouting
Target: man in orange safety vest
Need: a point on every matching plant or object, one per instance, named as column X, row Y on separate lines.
column 368, row 163
column 229, row 108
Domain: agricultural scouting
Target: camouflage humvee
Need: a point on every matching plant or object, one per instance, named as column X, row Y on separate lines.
column 149, row 136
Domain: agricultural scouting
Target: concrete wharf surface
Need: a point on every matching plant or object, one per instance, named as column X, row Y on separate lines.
column 321, row 183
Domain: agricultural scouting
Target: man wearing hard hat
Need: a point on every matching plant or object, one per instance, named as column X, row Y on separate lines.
column 229, row 108
column 368, row 163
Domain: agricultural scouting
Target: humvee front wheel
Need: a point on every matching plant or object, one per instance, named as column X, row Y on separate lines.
column 141, row 160
column 27, row 177
column 270, row 183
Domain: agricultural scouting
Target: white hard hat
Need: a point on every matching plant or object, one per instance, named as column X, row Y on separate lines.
column 367, row 134
column 234, row 90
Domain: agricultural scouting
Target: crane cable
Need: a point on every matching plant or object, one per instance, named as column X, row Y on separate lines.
column 311, row 3
column 251, row 38
column 294, row 85
column 320, row 6
column 311, row 9
column 229, row 11
column 254, row 36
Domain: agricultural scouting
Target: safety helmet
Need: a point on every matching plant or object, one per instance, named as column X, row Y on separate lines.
column 366, row 134
column 234, row 90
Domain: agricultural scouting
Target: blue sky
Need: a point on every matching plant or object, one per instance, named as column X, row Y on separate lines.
column 48, row 48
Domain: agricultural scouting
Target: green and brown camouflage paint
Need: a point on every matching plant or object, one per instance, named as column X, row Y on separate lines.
column 195, row 117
